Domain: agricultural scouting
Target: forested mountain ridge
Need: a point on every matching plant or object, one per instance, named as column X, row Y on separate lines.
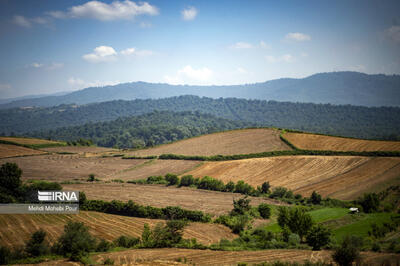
column 146, row 130
column 335, row 87
column 343, row 120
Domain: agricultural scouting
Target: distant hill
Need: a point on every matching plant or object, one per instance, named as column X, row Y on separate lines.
column 336, row 88
column 343, row 120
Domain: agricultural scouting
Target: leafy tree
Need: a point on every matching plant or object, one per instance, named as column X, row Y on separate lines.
column 265, row 188
column 315, row 198
column 76, row 241
column 347, row 252
column 264, row 210
column 10, row 176
column 187, row 181
column 103, row 246
column 283, row 216
column 37, row 246
column 370, row 202
column 318, row 236
column 230, row 186
column 244, row 188
column 241, row 206
column 147, row 240
column 126, row 242
column 172, row 179
column 5, row 255
column 91, row 178
column 296, row 219
column 278, row 192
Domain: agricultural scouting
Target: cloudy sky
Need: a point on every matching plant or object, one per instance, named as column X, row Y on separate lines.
column 51, row 46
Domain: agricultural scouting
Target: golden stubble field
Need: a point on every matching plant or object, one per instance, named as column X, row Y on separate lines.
column 224, row 143
column 8, row 150
column 320, row 142
column 29, row 141
column 16, row 229
column 212, row 202
column 342, row 177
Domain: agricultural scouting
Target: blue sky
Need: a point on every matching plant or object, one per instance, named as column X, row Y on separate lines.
column 52, row 46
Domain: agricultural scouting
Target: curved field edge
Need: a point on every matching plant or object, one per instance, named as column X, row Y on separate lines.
column 33, row 143
column 11, row 150
column 339, row 177
column 16, row 229
column 309, row 141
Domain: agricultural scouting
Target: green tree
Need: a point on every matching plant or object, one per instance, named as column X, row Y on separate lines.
column 37, row 246
column 370, row 202
column 283, row 216
column 10, row 176
column 187, row 181
column 265, row 188
column 347, row 252
column 147, row 239
column 76, row 241
column 296, row 219
column 264, row 210
column 4, row 255
column 315, row 198
column 230, row 186
column 172, row 179
column 241, row 206
column 318, row 236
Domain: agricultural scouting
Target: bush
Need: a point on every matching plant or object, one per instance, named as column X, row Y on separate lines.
column 278, row 192
column 210, row 183
column 187, row 181
column 75, row 242
column 163, row 236
column 126, row 242
column 5, row 255
column 91, row 178
column 265, row 188
column 370, row 202
column 156, row 180
column 348, row 252
column 10, row 176
column 318, row 237
column 108, row 261
column 315, row 198
column 241, row 206
column 296, row 219
column 244, row 188
column 172, row 179
column 37, row 246
column 294, row 239
column 103, row 246
column 230, row 186
column 264, row 210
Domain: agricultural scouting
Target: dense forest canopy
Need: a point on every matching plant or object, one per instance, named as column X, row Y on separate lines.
column 145, row 130
column 342, row 120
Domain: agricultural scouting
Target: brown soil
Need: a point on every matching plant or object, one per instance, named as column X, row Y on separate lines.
column 320, row 142
column 224, row 143
column 343, row 177
column 29, row 141
column 16, row 229
column 212, row 202
column 8, row 150
column 81, row 149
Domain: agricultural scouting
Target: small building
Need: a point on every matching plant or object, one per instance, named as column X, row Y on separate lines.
column 353, row 210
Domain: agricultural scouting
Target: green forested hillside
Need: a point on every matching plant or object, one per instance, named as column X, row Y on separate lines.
column 344, row 120
column 145, row 130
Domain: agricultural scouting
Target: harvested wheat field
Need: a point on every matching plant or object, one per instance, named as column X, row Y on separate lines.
column 80, row 149
column 16, row 229
column 30, row 141
column 320, row 142
column 8, row 150
column 211, row 257
column 342, row 177
column 187, row 198
column 224, row 143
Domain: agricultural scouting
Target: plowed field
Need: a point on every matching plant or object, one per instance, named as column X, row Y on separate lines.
column 16, row 229
column 212, row 202
column 8, row 150
column 224, row 143
column 343, row 177
column 320, row 142
column 29, row 141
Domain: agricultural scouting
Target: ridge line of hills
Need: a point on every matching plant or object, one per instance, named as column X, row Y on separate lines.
column 334, row 87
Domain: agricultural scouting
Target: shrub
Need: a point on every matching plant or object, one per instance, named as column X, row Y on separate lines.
column 265, row 188
column 76, row 241
column 296, row 219
column 210, row 183
column 318, row 237
column 244, row 188
column 37, row 246
column 187, row 181
column 348, row 252
column 155, row 180
column 108, row 261
column 4, row 255
column 315, row 198
column 172, row 179
column 278, row 192
column 264, row 210
column 294, row 239
column 370, row 202
column 10, row 176
column 91, row 178
column 126, row 242
column 241, row 206
column 230, row 186
column 103, row 246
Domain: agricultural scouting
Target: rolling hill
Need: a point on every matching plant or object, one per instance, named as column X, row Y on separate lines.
column 335, row 88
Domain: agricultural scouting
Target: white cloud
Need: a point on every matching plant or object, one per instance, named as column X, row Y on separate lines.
column 297, row 36
column 101, row 54
column 78, row 83
column 22, row 21
column 393, row 34
column 133, row 51
column 287, row 58
column 241, row 70
column 189, row 13
column 190, row 75
column 241, row 45
column 117, row 10
column 36, row 65
column 264, row 45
